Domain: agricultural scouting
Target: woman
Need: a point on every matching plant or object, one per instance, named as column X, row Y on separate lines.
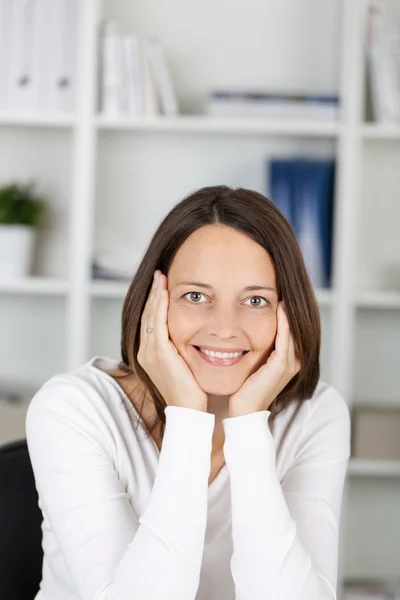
column 177, row 474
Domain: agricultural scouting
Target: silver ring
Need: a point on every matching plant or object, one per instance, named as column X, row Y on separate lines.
column 149, row 329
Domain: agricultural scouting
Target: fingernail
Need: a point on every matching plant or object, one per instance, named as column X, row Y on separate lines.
column 155, row 276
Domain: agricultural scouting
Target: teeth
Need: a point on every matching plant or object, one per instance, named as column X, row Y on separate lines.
column 221, row 354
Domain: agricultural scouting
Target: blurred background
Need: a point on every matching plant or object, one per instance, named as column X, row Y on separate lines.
column 111, row 112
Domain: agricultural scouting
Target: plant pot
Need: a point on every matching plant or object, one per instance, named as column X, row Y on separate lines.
column 16, row 250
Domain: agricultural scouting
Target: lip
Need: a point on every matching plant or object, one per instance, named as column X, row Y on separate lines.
column 213, row 349
column 219, row 362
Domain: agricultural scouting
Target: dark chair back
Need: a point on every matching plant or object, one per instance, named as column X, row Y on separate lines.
column 21, row 553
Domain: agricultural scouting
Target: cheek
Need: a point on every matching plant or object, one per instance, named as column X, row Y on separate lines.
column 180, row 324
column 265, row 334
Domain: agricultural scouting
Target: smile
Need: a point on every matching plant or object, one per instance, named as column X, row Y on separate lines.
column 219, row 362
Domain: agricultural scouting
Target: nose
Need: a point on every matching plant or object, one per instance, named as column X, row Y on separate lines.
column 223, row 321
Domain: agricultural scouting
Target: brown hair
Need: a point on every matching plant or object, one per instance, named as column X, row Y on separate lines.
column 255, row 215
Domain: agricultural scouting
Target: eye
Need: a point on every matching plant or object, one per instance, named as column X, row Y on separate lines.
column 193, row 293
column 254, row 306
column 260, row 305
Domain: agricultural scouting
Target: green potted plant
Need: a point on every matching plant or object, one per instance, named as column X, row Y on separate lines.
column 21, row 214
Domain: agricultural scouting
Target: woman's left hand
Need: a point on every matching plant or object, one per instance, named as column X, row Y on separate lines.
column 262, row 387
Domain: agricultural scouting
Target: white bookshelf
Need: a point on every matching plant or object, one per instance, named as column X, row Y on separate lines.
column 374, row 468
column 379, row 300
column 104, row 173
column 371, row 131
column 39, row 286
column 35, row 119
column 205, row 124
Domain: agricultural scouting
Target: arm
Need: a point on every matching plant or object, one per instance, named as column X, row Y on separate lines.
column 112, row 554
column 285, row 536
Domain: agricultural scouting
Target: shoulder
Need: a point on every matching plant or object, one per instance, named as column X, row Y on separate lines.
column 67, row 389
column 326, row 424
column 83, row 399
column 327, row 404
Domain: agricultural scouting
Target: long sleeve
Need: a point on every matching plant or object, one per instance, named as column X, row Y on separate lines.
column 109, row 552
column 285, row 535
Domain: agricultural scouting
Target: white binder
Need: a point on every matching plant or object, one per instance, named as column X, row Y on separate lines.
column 63, row 17
column 111, row 77
column 131, row 76
column 21, row 81
column 162, row 78
column 6, row 17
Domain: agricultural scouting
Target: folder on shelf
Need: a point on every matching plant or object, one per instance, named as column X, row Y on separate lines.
column 162, row 78
column 63, row 19
column 38, row 54
column 313, row 195
column 131, row 76
column 151, row 104
column 383, row 69
column 6, row 9
column 280, row 178
column 273, row 105
column 303, row 191
column 21, row 82
column 111, row 72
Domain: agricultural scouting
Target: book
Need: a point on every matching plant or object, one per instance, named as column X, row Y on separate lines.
column 63, row 18
column 161, row 77
column 383, row 63
column 37, row 54
column 131, row 76
column 303, row 190
column 151, row 104
column 313, row 195
column 111, row 73
column 22, row 86
column 371, row 589
column 6, row 21
column 257, row 103
column 119, row 263
column 280, row 177
column 43, row 49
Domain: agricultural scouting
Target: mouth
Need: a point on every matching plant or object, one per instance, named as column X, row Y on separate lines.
column 219, row 362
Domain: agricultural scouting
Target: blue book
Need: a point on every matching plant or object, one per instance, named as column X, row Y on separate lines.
column 313, row 198
column 311, row 185
column 280, row 185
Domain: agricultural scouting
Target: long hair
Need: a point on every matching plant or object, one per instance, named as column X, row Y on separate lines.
column 255, row 215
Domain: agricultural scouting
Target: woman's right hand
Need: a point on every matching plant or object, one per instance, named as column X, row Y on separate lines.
column 159, row 357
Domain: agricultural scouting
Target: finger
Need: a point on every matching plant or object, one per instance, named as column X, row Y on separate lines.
column 160, row 317
column 283, row 334
column 293, row 358
column 292, row 353
column 148, row 314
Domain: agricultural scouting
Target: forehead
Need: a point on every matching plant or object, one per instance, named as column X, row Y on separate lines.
column 215, row 253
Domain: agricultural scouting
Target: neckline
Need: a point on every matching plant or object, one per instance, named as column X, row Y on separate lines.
column 112, row 363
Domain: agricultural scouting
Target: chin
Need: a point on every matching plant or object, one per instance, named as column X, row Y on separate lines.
column 221, row 386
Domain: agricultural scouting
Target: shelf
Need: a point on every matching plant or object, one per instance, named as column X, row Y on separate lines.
column 45, row 286
column 374, row 468
column 205, row 124
column 325, row 297
column 378, row 300
column 109, row 289
column 36, row 119
column 373, row 131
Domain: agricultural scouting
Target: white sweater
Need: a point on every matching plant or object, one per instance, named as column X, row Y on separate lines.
column 123, row 521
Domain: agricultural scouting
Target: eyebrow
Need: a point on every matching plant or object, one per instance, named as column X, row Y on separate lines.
column 248, row 288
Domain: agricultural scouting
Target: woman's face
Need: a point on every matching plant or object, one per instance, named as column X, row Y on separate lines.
column 224, row 315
